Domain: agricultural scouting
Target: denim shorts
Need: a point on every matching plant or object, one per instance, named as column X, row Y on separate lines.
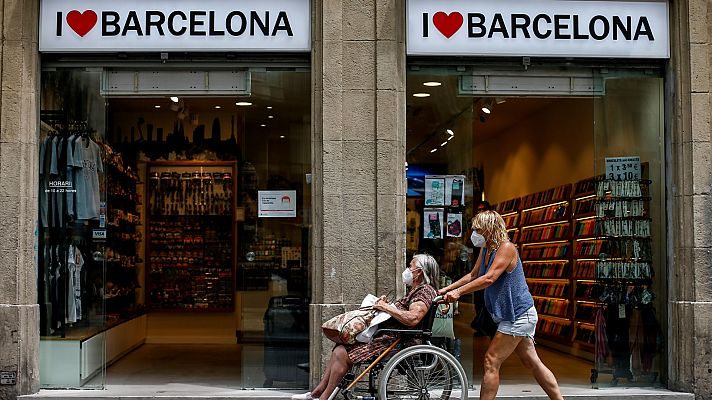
column 525, row 325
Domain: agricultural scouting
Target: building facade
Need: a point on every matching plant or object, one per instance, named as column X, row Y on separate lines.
column 358, row 190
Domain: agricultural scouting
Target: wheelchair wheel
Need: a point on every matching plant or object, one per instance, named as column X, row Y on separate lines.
column 423, row 372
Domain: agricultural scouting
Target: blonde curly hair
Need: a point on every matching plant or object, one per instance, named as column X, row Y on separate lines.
column 492, row 227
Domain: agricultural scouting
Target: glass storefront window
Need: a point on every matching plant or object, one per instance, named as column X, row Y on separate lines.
column 194, row 232
column 534, row 145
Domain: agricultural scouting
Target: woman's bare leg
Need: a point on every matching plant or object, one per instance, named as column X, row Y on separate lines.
column 319, row 389
column 543, row 375
column 499, row 349
column 339, row 367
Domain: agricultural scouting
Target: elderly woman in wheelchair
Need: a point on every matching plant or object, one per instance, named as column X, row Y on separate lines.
column 395, row 357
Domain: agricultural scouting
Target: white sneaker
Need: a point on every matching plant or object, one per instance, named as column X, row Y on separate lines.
column 303, row 396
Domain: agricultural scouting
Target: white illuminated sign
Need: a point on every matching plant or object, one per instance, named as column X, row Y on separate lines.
column 552, row 28
column 178, row 25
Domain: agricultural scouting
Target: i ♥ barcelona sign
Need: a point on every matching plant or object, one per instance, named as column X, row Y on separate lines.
column 176, row 25
column 549, row 28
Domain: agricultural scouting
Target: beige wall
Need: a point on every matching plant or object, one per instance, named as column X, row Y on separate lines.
column 551, row 147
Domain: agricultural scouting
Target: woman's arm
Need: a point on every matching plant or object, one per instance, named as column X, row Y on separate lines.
column 410, row 318
column 466, row 278
column 505, row 256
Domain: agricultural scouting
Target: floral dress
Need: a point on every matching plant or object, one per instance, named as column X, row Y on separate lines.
column 363, row 352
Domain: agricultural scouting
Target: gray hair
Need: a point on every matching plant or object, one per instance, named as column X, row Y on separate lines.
column 430, row 269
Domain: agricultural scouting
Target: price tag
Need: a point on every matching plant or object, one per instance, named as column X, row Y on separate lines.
column 621, row 310
column 623, row 168
column 99, row 234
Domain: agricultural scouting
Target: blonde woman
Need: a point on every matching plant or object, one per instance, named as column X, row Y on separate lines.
column 499, row 272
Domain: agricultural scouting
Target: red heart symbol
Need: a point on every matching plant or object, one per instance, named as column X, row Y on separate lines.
column 447, row 24
column 81, row 23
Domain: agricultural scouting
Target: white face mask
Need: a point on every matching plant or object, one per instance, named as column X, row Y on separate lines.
column 407, row 277
column 477, row 239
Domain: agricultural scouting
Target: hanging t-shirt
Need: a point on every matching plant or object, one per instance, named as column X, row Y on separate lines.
column 71, row 194
column 74, row 291
column 87, row 160
column 45, row 151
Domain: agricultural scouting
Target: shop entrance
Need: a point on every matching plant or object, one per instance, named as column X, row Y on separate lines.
column 538, row 145
column 194, row 237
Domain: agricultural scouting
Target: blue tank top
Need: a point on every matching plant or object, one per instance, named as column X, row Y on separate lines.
column 508, row 297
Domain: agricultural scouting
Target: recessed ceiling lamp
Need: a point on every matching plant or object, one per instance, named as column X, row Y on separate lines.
column 421, row 94
column 270, row 116
column 281, row 136
column 487, row 106
column 218, row 107
column 243, row 103
column 432, row 84
column 174, row 99
column 157, row 106
column 450, row 132
column 263, row 125
column 269, row 107
column 443, row 143
column 434, row 150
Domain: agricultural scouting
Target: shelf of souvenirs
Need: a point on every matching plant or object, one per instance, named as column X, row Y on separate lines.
column 585, row 334
column 559, row 193
column 546, row 214
column 546, row 270
column 121, row 171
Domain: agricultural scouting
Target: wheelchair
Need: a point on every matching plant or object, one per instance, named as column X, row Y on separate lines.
column 419, row 372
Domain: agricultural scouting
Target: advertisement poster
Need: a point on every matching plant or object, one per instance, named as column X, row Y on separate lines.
column 455, row 190
column 433, row 223
column 435, row 190
column 454, row 225
column 445, row 190
column 277, row 203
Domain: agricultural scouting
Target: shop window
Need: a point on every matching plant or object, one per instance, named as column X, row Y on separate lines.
column 534, row 145
column 174, row 214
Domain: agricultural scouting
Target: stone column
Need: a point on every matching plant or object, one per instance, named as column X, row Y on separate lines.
column 19, row 312
column 690, row 275
column 358, row 157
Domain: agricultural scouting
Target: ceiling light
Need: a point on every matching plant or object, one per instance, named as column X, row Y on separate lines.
column 432, row 84
column 421, row 94
column 269, row 107
column 270, row 116
column 263, row 125
column 157, row 106
column 218, row 107
column 443, row 143
column 450, row 132
column 450, row 138
column 434, row 150
column 281, row 136
column 487, row 109
column 174, row 99
column 243, row 103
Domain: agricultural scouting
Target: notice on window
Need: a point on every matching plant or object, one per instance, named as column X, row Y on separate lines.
column 277, row 203
column 454, row 225
column 433, row 223
column 623, row 168
column 434, row 190
column 445, row 190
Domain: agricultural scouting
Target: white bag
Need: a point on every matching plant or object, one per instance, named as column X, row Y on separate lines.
column 367, row 335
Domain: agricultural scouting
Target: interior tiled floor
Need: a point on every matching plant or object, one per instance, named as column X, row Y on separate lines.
column 242, row 366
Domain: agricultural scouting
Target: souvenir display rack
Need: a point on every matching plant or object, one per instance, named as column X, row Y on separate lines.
column 624, row 272
column 191, row 236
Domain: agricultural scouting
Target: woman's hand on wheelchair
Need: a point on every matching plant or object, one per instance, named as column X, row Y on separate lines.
column 452, row 296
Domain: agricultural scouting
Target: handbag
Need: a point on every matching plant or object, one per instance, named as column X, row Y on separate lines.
column 483, row 323
column 343, row 328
